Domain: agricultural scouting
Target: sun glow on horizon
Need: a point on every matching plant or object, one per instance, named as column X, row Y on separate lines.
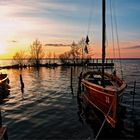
column 62, row 22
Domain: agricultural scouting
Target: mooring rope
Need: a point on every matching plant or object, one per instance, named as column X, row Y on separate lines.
column 112, row 29
column 104, row 121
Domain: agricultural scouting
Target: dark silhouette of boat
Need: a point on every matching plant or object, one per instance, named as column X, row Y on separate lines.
column 4, row 87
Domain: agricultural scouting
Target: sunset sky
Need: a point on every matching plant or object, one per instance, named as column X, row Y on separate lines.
column 57, row 22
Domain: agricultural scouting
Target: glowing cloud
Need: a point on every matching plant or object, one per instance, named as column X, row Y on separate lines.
column 62, row 22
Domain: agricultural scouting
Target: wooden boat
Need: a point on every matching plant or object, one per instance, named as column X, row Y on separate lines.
column 101, row 89
column 4, row 86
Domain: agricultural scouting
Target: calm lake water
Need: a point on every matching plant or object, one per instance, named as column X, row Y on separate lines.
column 48, row 109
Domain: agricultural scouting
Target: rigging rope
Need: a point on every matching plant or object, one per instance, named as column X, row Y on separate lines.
column 117, row 37
column 90, row 17
column 105, row 119
column 112, row 29
column 85, row 47
column 91, row 11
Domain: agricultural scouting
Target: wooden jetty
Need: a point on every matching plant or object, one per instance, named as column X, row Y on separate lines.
column 111, row 64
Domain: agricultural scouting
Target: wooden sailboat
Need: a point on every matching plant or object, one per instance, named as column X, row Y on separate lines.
column 100, row 89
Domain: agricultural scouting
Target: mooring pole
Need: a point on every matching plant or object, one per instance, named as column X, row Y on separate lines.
column 79, row 84
column 22, row 85
column 71, row 81
column 0, row 118
column 134, row 92
column 79, row 92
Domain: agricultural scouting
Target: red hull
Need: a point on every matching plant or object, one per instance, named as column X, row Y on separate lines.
column 104, row 99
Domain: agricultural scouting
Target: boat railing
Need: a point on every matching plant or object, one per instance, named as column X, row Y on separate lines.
column 4, row 79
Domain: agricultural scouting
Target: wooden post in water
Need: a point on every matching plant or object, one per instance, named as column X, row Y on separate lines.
column 134, row 92
column 22, row 85
column 79, row 85
column 71, row 81
column 79, row 93
column 93, row 63
column 97, row 60
column 0, row 118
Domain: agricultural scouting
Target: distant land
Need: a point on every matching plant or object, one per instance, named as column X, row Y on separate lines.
column 91, row 58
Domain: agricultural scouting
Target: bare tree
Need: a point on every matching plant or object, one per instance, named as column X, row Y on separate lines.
column 81, row 45
column 77, row 52
column 49, row 57
column 19, row 58
column 36, row 52
column 74, row 52
column 64, row 57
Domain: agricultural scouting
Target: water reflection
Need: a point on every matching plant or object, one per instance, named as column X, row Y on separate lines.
column 128, row 125
column 49, row 111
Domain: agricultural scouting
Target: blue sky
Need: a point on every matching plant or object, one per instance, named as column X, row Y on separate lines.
column 64, row 21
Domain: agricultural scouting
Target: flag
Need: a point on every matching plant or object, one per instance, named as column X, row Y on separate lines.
column 86, row 49
column 87, row 40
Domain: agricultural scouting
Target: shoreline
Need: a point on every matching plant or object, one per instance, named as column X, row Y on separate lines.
column 53, row 65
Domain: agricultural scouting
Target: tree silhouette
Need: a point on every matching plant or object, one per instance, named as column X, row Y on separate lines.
column 19, row 58
column 36, row 52
column 75, row 53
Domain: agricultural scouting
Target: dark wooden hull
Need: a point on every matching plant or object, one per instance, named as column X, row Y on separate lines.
column 102, row 98
column 4, row 86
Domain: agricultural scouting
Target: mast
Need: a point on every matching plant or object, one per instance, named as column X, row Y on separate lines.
column 103, row 37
